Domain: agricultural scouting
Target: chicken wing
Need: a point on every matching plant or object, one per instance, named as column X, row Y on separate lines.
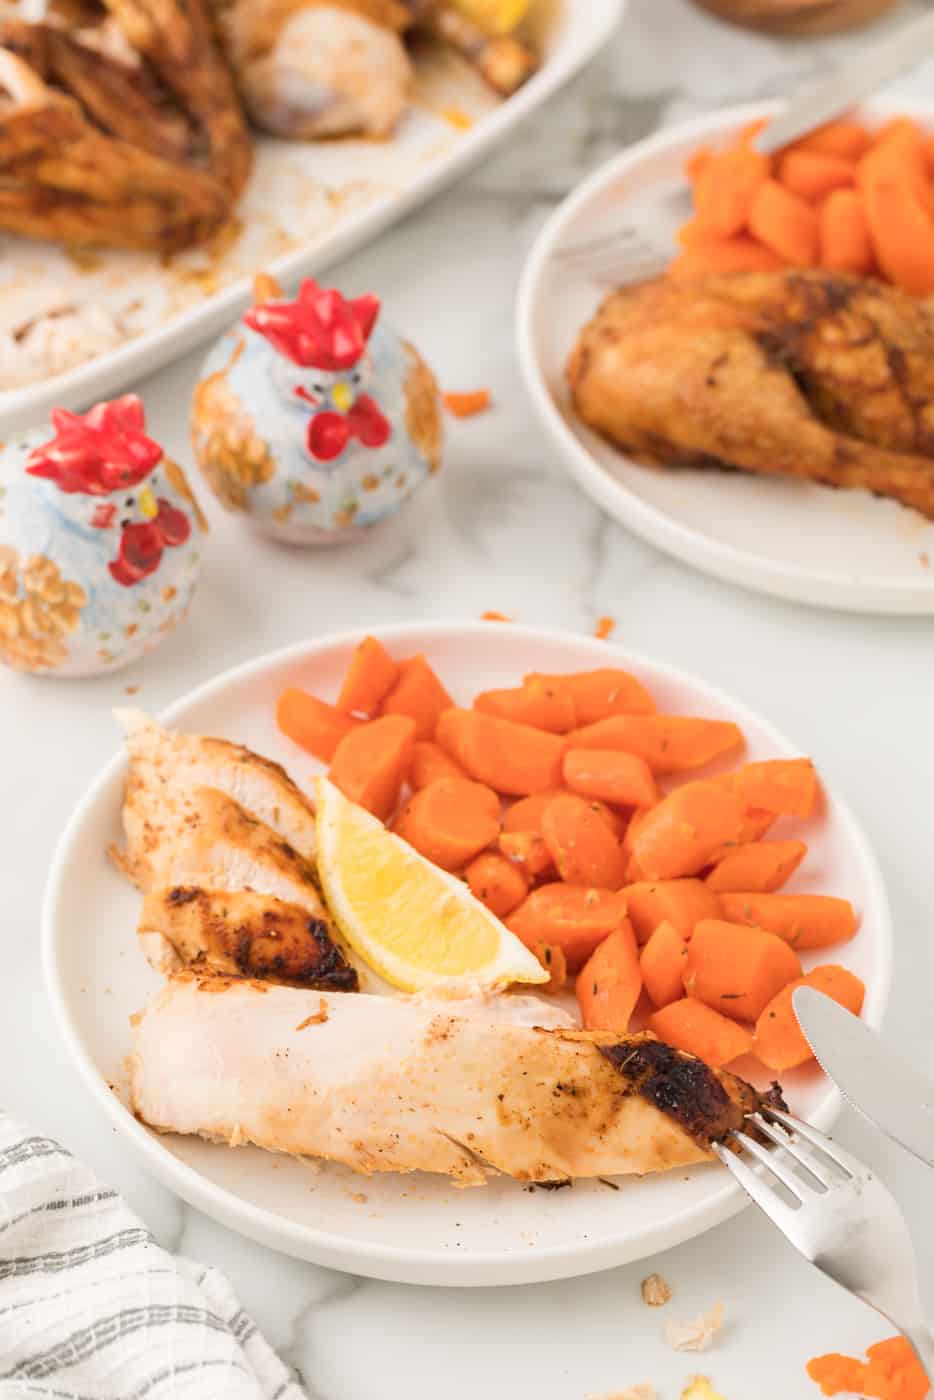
column 337, row 1077
column 812, row 375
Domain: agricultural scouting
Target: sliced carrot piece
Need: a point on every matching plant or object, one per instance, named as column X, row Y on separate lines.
column 419, row 694
column 527, row 813
column 848, row 140
column 663, row 962
column 698, row 163
column 812, row 175
column 803, row 920
column 574, row 917
column 610, row 983
column 709, row 256
column 691, row 1026
column 726, row 191
column 370, row 677
column 680, row 832
column 512, row 758
column 681, row 903
column 756, row 823
column 312, row 723
column 601, row 693
column 760, row 866
column 450, row 821
column 544, row 702
column 551, row 956
column 496, row 882
column 429, row 763
column 785, row 223
column 528, row 851
column 785, row 786
column 899, row 208
column 371, row 762
column 667, row 743
column 581, row 843
column 845, row 241
column 610, row 775
column 736, row 969
column 779, row 1041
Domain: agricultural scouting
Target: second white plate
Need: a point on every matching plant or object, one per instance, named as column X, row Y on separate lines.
column 414, row 1229
column 835, row 549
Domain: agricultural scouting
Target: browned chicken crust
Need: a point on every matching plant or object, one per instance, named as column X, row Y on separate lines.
column 812, row 375
column 248, row 934
column 124, row 130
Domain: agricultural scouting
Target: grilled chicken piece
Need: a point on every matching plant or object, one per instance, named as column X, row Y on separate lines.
column 382, row 1084
column 503, row 60
column 122, row 129
column 319, row 68
column 242, row 933
column 804, row 374
column 166, row 765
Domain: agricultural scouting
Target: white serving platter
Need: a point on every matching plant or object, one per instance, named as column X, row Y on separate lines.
column 797, row 540
column 307, row 204
column 413, row 1229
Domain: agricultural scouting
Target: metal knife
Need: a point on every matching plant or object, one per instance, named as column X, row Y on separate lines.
column 887, row 1090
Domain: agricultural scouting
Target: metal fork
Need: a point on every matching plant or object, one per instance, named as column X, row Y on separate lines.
column 644, row 241
column 840, row 1217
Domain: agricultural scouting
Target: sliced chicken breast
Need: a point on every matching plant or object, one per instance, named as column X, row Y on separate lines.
column 384, row 1084
column 165, row 766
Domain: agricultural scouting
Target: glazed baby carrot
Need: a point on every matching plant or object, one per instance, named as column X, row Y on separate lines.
column 544, row 702
column 312, row 723
column 371, row 762
column 512, row 758
column 678, row 835
column 707, row 256
column 610, row 775
column 784, row 786
column 667, row 743
column 496, row 882
column 779, row 1041
column 551, row 956
column 845, row 242
column 899, row 208
column 737, row 970
column 610, row 983
column 429, row 763
column 785, row 223
column 601, row 693
column 681, row 903
column 803, row 920
column 419, row 694
column 663, row 962
column 691, row 1026
column 581, row 843
column 370, row 677
column 726, row 190
column 759, row 866
column 529, row 852
column 450, row 821
column 848, row 140
column 813, row 174
column 574, row 917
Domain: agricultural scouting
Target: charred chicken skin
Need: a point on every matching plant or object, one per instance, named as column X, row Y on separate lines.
column 811, row 375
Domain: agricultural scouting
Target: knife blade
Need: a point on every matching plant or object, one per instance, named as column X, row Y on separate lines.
column 886, row 1089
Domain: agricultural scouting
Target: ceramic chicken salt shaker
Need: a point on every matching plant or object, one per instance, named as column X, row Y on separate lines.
column 99, row 542
column 313, row 418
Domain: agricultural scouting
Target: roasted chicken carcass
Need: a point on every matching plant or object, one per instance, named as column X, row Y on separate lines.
column 384, row 1084
column 119, row 127
column 222, row 843
column 811, row 375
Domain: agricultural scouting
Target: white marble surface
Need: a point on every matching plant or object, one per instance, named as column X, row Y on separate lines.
column 503, row 528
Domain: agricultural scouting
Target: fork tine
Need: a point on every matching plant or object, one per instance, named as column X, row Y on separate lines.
column 758, row 1190
column 618, row 240
column 843, row 1159
column 782, row 1139
column 773, row 1163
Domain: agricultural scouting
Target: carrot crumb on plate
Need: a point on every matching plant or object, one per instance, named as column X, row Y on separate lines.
column 604, row 628
column 457, row 117
column 491, row 615
column 643, row 1391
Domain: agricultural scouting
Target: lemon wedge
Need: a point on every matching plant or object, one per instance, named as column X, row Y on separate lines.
column 416, row 925
column 495, row 16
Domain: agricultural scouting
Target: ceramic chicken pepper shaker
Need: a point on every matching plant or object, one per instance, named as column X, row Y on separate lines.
column 313, row 417
column 99, row 542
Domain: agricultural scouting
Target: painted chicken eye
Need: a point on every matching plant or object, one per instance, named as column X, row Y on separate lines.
column 318, row 388
column 128, row 501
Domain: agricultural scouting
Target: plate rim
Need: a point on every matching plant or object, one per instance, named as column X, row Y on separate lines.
column 867, row 594
column 392, row 1262
column 149, row 352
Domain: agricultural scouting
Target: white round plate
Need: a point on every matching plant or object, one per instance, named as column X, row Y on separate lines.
column 408, row 1229
column 836, row 549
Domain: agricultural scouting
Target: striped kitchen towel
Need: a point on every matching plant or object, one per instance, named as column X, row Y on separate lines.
column 91, row 1308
